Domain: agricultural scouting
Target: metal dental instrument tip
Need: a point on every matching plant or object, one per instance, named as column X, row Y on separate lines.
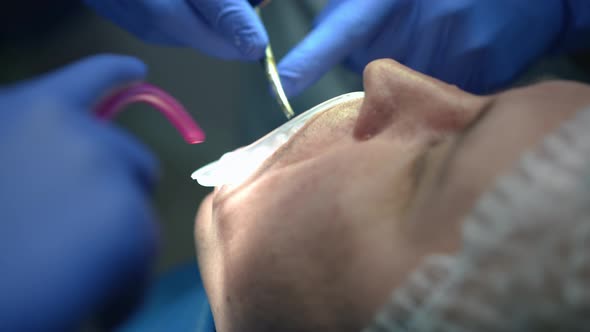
column 270, row 68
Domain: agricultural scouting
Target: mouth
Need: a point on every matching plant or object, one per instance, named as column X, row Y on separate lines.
column 236, row 166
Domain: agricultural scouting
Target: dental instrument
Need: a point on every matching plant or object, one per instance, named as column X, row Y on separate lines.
column 270, row 68
column 234, row 167
column 160, row 100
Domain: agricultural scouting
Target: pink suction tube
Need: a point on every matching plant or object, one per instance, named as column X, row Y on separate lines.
column 160, row 100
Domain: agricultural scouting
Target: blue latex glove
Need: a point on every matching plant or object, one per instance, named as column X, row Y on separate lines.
column 227, row 29
column 478, row 45
column 77, row 234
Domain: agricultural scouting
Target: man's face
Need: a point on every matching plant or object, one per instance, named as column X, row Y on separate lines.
column 321, row 234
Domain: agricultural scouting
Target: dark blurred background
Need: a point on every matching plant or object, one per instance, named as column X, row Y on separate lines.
column 230, row 100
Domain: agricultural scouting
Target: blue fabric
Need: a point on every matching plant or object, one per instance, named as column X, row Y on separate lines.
column 576, row 34
column 227, row 29
column 479, row 45
column 176, row 302
column 76, row 228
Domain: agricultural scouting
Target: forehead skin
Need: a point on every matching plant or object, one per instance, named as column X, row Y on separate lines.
column 336, row 219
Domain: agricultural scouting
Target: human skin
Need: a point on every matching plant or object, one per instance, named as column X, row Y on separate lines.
column 319, row 237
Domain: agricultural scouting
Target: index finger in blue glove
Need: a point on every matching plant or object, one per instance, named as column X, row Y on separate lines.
column 237, row 22
column 88, row 80
column 347, row 26
column 227, row 29
column 78, row 87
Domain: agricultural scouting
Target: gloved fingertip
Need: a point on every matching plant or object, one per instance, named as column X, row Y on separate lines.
column 251, row 44
column 106, row 71
column 290, row 86
column 291, row 81
column 89, row 78
column 124, row 65
column 237, row 23
column 138, row 67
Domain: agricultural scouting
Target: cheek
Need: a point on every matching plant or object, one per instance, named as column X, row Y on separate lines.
column 281, row 228
column 313, row 245
column 274, row 251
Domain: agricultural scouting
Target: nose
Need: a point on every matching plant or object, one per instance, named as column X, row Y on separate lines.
column 400, row 99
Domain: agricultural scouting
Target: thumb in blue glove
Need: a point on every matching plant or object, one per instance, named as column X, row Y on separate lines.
column 227, row 29
column 75, row 220
column 478, row 45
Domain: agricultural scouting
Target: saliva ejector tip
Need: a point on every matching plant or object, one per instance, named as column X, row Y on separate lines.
column 160, row 100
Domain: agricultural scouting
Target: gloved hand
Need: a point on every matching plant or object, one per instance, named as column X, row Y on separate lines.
column 75, row 220
column 478, row 45
column 227, row 29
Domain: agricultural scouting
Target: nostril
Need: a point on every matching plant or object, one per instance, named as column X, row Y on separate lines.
column 373, row 118
column 381, row 99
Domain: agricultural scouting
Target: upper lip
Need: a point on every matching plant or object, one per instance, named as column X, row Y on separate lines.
column 262, row 150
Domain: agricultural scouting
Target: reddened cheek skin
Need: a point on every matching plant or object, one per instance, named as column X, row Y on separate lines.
column 401, row 99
